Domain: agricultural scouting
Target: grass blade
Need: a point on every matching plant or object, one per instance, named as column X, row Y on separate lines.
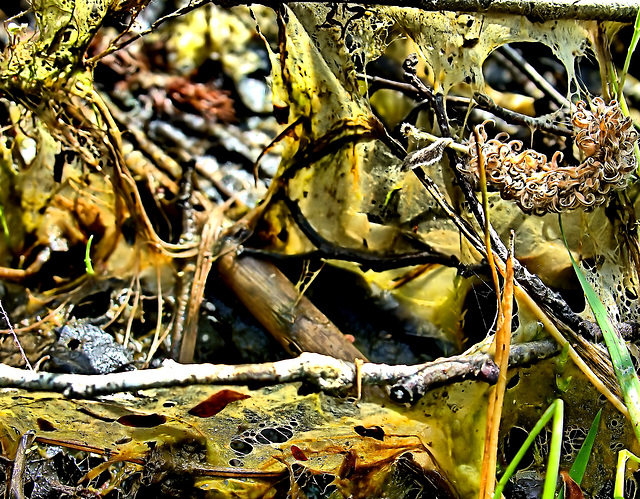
column 576, row 473
column 580, row 464
column 623, row 456
column 620, row 357
column 630, row 51
column 555, row 410
column 555, row 449
column 87, row 257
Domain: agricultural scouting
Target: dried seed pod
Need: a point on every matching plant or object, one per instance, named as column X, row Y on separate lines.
column 538, row 185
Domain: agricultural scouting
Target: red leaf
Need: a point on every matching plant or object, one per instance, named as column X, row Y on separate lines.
column 142, row 420
column 218, row 401
column 297, row 453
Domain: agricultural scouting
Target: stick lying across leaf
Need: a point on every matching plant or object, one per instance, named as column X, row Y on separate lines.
column 406, row 383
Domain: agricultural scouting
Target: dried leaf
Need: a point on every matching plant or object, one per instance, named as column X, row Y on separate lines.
column 571, row 489
column 216, row 402
column 297, row 453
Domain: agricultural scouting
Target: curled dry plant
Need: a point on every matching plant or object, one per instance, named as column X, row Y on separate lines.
column 538, row 186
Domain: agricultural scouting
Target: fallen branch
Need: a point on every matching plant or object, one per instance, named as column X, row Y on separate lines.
column 405, row 383
column 538, row 11
column 287, row 314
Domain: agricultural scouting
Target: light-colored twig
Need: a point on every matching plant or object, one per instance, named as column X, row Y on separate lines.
column 405, row 383
column 15, row 336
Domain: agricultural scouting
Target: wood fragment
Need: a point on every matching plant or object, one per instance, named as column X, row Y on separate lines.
column 16, row 487
column 271, row 298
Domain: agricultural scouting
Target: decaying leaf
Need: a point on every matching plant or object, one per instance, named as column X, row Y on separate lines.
column 216, row 402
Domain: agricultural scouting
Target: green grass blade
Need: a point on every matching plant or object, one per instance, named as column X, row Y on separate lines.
column 87, row 257
column 552, row 411
column 623, row 456
column 580, row 464
column 555, row 449
column 582, row 459
column 620, row 357
column 630, row 51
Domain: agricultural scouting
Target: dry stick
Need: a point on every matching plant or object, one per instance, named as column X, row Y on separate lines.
column 496, row 399
column 204, row 263
column 16, row 487
column 271, row 298
column 18, row 275
column 326, row 373
column 371, row 259
column 525, row 299
column 481, row 101
column 541, row 10
column 15, row 336
column 521, row 63
column 543, row 123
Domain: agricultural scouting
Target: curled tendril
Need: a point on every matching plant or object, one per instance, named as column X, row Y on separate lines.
column 605, row 137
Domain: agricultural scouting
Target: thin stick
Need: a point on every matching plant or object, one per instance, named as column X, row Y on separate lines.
column 15, row 337
column 524, row 299
column 327, row 373
column 496, row 399
column 16, row 487
column 520, row 62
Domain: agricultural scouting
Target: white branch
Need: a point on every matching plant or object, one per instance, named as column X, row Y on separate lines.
column 405, row 383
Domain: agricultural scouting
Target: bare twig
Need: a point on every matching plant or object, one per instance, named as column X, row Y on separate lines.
column 520, row 62
column 541, row 10
column 369, row 259
column 15, row 336
column 18, row 275
column 406, row 383
column 538, row 11
column 16, row 488
column 192, row 5
column 538, row 123
column 272, row 299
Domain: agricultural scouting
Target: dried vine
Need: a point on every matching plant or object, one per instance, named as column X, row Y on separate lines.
column 604, row 136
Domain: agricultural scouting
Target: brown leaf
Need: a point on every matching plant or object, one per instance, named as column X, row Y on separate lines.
column 571, row 489
column 216, row 402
